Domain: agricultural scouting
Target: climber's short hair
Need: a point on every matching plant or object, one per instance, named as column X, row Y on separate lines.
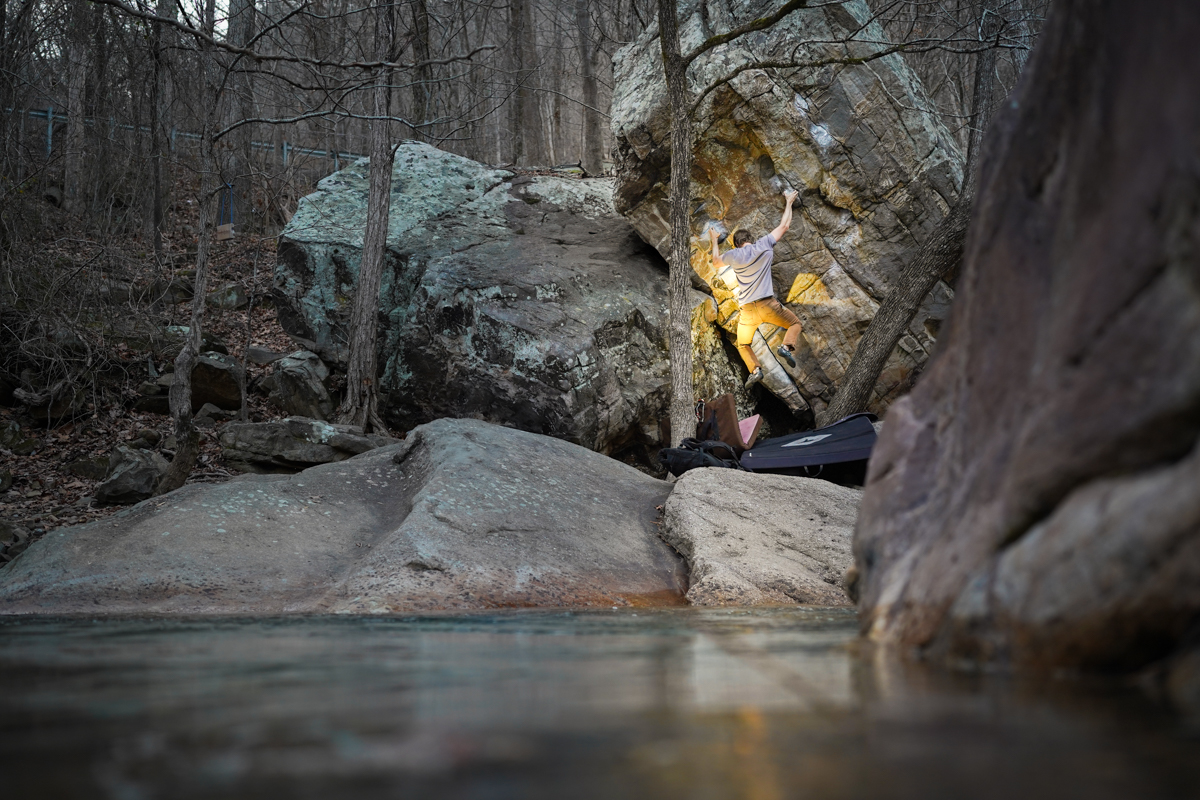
column 742, row 238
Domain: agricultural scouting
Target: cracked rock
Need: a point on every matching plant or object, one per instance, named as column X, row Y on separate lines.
column 753, row 539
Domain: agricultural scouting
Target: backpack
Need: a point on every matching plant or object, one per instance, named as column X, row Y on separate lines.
column 693, row 453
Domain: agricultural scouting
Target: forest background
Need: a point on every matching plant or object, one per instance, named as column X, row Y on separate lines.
column 132, row 129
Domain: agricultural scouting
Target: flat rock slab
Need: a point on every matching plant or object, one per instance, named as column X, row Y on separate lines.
column 753, row 539
column 461, row 515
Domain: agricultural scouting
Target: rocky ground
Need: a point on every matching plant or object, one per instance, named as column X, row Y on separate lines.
column 443, row 521
column 49, row 475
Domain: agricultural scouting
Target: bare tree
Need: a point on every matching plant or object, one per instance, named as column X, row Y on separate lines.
column 591, row 159
column 77, row 68
column 186, row 436
column 361, row 405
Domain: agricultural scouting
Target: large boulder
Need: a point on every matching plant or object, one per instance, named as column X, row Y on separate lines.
column 1035, row 498
column 462, row 515
column 293, row 444
column 521, row 300
column 754, row 540
column 876, row 172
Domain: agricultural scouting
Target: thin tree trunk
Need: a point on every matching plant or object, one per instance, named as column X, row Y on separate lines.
column 679, row 342
column 158, row 132
column 187, row 438
column 424, row 83
column 76, row 83
column 592, row 157
column 938, row 257
column 520, row 97
column 361, row 404
column 242, row 15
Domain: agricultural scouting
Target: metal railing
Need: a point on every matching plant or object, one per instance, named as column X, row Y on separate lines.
column 287, row 150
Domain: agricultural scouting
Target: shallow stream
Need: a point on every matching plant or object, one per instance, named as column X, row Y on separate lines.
column 680, row 703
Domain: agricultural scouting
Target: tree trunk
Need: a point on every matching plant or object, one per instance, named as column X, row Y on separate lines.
column 423, row 86
column 525, row 122
column 592, row 157
column 159, row 130
column 516, row 116
column 679, row 343
column 76, row 83
column 242, row 15
column 361, row 404
column 187, row 438
column 938, row 257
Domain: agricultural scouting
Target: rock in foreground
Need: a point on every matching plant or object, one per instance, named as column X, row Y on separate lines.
column 473, row 515
column 761, row 539
column 1035, row 499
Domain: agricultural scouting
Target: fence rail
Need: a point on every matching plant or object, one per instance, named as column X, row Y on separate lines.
column 287, row 150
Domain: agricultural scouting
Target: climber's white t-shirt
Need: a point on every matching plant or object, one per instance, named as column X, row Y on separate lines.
column 752, row 265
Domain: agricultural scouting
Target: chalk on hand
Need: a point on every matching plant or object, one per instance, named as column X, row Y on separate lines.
column 719, row 227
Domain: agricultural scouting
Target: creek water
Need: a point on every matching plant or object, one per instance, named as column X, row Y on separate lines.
column 679, row 703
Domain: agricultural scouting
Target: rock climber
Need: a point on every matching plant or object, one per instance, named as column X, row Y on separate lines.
column 755, row 292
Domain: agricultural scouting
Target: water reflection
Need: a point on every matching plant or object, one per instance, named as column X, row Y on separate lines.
column 674, row 703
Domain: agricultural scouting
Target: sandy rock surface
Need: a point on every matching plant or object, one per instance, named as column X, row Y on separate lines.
column 474, row 515
column 754, row 539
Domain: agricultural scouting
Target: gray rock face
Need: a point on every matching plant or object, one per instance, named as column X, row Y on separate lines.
column 132, row 477
column 13, row 439
column 298, row 386
column 14, row 539
column 875, row 175
column 761, row 539
column 522, row 300
column 216, row 379
column 1034, row 500
column 473, row 515
column 293, row 444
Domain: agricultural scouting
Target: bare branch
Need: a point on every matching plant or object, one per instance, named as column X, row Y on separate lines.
column 750, row 27
column 260, row 56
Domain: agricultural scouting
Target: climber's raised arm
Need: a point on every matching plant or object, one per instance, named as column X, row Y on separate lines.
column 716, row 253
column 785, row 221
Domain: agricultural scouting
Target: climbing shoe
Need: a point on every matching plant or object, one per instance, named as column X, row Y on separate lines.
column 785, row 353
column 754, row 378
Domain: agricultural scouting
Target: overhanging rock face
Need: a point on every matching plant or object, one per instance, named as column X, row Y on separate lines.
column 520, row 300
column 876, row 173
